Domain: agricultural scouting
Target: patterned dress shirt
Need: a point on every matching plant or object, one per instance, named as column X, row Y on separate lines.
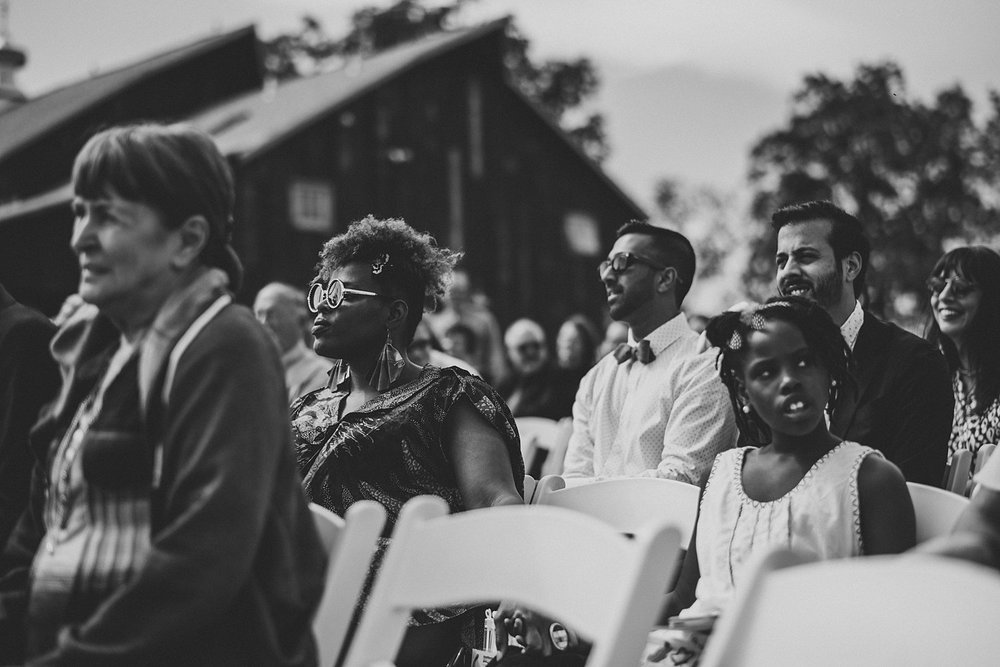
column 852, row 325
column 668, row 418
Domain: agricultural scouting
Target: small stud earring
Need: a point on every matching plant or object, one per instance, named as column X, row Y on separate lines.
column 746, row 409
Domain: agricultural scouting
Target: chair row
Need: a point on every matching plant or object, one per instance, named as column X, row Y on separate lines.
column 961, row 463
column 627, row 503
column 867, row 612
column 617, row 607
column 437, row 559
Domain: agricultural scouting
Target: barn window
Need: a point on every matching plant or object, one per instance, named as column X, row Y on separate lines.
column 310, row 206
column 582, row 234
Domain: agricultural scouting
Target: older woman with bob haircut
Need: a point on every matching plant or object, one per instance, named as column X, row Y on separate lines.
column 172, row 529
column 385, row 428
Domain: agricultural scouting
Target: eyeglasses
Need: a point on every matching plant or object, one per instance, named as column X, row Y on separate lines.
column 331, row 296
column 960, row 287
column 620, row 263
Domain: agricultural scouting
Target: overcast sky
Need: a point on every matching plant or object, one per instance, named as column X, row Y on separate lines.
column 687, row 84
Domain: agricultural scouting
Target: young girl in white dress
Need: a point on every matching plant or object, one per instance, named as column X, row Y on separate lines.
column 797, row 485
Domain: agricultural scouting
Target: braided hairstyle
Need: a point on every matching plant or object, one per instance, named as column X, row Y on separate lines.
column 729, row 333
column 406, row 264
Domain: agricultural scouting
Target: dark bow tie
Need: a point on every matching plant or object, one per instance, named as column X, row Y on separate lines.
column 640, row 352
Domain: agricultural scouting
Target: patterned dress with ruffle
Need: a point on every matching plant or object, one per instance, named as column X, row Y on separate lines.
column 392, row 448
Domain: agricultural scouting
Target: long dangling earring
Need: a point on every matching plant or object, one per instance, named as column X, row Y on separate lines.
column 388, row 366
column 339, row 373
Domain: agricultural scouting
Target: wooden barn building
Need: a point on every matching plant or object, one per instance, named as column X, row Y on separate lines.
column 430, row 131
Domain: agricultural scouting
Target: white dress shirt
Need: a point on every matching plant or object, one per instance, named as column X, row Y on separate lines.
column 668, row 418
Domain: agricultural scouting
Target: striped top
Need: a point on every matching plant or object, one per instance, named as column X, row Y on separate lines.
column 97, row 537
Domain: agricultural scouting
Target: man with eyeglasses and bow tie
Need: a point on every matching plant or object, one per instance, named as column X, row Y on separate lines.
column 655, row 406
column 902, row 402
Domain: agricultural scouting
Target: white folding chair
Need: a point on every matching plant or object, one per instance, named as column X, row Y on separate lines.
column 936, row 510
column 553, row 464
column 983, row 455
column 958, row 472
column 866, row 612
column 537, row 433
column 349, row 543
column 559, row 563
column 626, row 503
column 530, row 484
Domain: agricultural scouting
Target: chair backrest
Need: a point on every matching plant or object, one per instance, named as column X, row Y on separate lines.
column 559, row 563
column 553, row 464
column 936, row 510
column 530, row 484
column 537, row 434
column 868, row 612
column 983, row 455
column 349, row 543
column 626, row 503
column 957, row 480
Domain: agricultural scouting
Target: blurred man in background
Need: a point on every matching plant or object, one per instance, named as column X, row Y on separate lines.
column 281, row 309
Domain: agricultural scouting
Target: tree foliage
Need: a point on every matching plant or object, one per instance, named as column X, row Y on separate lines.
column 919, row 176
column 557, row 87
column 714, row 223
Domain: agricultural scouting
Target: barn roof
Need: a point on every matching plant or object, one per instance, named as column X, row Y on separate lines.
column 250, row 124
column 24, row 123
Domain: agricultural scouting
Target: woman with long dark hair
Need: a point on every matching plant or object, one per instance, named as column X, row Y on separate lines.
column 965, row 324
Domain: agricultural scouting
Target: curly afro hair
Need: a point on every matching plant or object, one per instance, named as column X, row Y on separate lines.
column 406, row 264
column 729, row 333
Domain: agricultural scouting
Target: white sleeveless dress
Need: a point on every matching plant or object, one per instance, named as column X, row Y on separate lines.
column 820, row 514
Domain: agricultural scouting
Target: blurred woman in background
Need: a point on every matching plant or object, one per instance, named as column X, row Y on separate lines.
column 576, row 345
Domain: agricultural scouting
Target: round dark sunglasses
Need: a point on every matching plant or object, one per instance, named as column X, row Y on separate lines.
column 960, row 287
column 331, row 296
column 620, row 263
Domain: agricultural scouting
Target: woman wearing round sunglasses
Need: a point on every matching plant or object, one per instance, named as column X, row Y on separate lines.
column 385, row 428
column 965, row 323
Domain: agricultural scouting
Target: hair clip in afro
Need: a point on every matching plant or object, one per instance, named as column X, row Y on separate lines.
column 380, row 263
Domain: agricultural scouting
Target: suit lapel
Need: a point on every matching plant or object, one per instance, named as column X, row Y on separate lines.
column 867, row 350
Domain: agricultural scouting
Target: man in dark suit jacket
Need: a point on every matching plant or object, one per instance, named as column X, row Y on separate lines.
column 28, row 379
column 902, row 403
